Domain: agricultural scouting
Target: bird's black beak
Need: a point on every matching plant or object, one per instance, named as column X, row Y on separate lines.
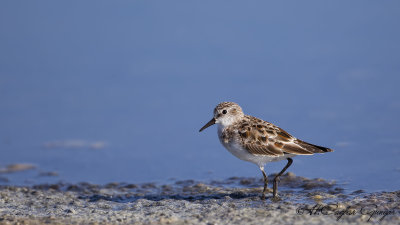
column 211, row 122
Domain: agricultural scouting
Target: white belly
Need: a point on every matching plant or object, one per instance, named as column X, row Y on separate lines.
column 259, row 160
column 237, row 150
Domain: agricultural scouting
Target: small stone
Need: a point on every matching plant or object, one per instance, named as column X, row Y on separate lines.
column 290, row 174
column 317, row 197
column 358, row 192
column 246, row 181
column 148, row 185
column 111, row 185
column 70, row 211
column 130, row 186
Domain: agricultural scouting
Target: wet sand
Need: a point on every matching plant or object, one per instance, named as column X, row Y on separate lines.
column 231, row 201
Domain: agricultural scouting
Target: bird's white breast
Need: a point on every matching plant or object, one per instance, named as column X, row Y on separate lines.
column 234, row 146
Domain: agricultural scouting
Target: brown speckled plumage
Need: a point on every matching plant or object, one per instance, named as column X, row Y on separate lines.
column 263, row 138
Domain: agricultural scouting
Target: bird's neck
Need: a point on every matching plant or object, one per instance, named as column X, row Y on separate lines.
column 227, row 122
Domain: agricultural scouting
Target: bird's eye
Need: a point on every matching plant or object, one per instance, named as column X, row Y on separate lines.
column 224, row 111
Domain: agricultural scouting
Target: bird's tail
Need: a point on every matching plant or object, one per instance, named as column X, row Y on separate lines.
column 313, row 148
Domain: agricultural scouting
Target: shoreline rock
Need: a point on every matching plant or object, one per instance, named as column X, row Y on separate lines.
column 234, row 200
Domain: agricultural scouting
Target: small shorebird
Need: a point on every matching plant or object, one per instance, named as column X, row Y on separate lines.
column 257, row 141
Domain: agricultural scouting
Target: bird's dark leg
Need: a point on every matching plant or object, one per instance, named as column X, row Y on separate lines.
column 276, row 179
column 265, row 182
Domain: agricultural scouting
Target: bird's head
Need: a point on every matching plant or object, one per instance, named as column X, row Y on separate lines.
column 225, row 114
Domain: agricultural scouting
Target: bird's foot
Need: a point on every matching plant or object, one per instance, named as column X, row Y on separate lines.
column 276, row 199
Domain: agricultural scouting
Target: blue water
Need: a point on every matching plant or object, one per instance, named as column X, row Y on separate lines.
column 141, row 78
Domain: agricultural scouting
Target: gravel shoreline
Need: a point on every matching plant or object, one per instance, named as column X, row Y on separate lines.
column 232, row 201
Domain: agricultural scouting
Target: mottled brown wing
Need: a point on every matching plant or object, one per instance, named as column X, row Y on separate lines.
column 263, row 138
column 267, row 149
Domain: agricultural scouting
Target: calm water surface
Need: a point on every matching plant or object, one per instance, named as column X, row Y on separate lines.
column 118, row 91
